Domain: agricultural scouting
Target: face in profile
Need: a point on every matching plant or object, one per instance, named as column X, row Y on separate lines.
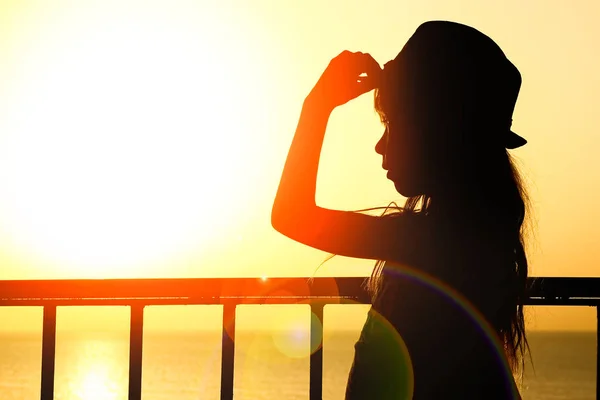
column 401, row 160
column 403, row 147
column 420, row 120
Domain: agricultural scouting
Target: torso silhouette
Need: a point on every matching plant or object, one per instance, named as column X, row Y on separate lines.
column 427, row 324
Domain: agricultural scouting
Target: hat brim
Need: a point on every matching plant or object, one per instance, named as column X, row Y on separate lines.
column 514, row 141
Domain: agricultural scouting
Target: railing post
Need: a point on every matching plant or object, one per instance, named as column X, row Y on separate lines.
column 228, row 351
column 136, row 337
column 316, row 357
column 48, row 352
column 597, row 352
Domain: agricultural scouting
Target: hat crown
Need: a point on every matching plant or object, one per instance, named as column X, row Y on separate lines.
column 461, row 60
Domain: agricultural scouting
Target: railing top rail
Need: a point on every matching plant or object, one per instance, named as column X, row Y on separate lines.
column 199, row 289
column 193, row 288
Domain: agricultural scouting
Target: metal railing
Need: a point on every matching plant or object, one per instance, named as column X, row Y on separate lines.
column 230, row 292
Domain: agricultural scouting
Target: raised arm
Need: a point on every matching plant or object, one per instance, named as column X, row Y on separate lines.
column 295, row 213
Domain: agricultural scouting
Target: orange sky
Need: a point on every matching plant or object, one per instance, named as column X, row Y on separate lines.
column 146, row 139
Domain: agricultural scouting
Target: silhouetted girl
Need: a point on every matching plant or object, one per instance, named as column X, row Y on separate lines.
column 446, row 320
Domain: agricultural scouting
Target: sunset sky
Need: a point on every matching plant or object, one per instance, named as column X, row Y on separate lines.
column 147, row 138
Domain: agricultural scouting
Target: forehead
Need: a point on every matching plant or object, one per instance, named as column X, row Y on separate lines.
column 397, row 87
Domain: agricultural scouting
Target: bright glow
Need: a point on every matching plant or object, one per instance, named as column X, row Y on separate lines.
column 293, row 343
column 126, row 136
column 91, row 368
column 96, row 385
column 291, row 334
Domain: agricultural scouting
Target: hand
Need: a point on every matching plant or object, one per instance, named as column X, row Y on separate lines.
column 342, row 80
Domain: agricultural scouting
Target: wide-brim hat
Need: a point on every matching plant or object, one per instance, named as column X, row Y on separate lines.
column 475, row 64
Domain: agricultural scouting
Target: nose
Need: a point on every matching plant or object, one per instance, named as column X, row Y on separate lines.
column 380, row 147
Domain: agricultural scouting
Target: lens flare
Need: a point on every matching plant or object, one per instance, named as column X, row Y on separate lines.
column 464, row 305
column 293, row 342
column 381, row 345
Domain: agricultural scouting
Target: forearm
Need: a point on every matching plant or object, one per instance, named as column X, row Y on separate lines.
column 298, row 183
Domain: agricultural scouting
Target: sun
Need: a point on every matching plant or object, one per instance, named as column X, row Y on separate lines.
column 126, row 136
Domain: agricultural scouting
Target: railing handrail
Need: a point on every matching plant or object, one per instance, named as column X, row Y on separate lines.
column 579, row 290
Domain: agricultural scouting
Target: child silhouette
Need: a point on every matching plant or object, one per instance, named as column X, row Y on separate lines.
column 446, row 320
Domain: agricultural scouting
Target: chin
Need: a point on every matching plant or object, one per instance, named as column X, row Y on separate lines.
column 407, row 190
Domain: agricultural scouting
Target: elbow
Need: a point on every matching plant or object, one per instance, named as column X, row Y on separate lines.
column 290, row 220
column 275, row 220
column 298, row 225
column 280, row 219
column 282, row 213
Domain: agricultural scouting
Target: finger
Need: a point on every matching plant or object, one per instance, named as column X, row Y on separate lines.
column 371, row 65
column 364, row 86
column 339, row 59
column 364, row 63
column 361, row 62
column 343, row 55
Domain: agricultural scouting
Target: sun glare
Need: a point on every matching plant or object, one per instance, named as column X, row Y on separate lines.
column 95, row 385
column 126, row 135
column 91, row 368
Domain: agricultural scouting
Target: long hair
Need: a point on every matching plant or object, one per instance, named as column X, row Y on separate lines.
column 497, row 199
